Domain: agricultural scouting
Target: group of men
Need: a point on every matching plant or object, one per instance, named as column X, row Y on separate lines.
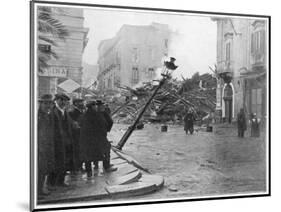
column 254, row 123
column 68, row 136
column 242, row 124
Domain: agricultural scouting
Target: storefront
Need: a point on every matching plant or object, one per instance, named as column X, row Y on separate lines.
column 255, row 94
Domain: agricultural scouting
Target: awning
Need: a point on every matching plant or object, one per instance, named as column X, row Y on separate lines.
column 252, row 75
column 69, row 85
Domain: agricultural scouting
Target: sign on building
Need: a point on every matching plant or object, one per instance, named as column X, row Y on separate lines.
column 54, row 71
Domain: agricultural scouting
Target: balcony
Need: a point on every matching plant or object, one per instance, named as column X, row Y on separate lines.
column 225, row 66
column 225, row 70
column 258, row 60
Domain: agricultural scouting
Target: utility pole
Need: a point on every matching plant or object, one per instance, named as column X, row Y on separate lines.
column 169, row 66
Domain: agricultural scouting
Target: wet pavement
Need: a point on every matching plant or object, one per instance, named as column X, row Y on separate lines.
column 127, row 181
column 202, row 164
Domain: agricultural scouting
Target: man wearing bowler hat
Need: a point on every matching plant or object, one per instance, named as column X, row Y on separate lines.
column 63, row 140
column 45, row 145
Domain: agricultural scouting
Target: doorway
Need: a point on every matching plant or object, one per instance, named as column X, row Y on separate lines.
column 228, row 104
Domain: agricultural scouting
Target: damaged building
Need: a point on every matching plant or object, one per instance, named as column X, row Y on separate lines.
column 132, row 56
column 242, row 67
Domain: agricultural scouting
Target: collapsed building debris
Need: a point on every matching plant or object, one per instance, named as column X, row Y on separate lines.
column 171, row 101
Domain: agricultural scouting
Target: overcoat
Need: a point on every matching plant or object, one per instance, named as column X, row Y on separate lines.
column 76, row 116
column 241, row 121
column 93, row 142
column 63, row 139
column 46, row 150
column 188, row 121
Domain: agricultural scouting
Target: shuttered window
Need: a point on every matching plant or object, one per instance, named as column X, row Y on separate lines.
column 258, row 42
column 227, row 52
column 256, row 100
column 135, row 75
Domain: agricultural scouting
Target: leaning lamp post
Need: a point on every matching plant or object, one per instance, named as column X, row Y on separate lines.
column 168, row 68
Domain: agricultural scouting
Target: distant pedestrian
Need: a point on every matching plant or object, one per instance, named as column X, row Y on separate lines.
column 76, row 115
column 255, row 125
column 46, row 163
column 188, row 122
column 241, row 123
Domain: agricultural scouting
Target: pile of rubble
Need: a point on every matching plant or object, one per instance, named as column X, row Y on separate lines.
column 171, row 102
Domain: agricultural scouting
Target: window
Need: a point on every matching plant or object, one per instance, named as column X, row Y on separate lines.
column 135, row 55
column 256, row 100
column 166, row 43
column 151, row 73
column 227, row 52
column 116, row 81
column 135, row 75
column 258, row 42
column 44, row 47
column 109, row 85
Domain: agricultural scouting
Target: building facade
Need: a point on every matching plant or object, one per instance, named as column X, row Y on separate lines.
column 242, row 67
column 132, row 56
column 68, row 65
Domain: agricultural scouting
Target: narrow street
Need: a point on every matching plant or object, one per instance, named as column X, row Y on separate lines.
column 217, row 163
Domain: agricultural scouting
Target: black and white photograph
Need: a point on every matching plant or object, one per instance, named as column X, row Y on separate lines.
column 136, row 105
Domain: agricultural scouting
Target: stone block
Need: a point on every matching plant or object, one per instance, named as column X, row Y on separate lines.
column 132, row 189
column 125, row 179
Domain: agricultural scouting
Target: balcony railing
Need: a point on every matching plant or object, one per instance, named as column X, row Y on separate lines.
column 225, row 66
column 258, row 59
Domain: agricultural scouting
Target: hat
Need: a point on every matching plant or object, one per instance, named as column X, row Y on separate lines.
column 76, row 100
column 46, row 98
column 99, row 102
column 61, row 96
column 91, row 103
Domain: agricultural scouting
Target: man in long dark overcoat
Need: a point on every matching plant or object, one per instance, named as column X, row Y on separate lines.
column 107, row 123
column 241, row 123
column 188, row 122
column 46, row 163
column 76, row 115
column 63, row 141
column 88, row 150
column 94, row 145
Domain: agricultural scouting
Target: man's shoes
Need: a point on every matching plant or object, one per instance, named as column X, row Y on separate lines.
column 89, row 174
column 63, row 185
column 111, row 169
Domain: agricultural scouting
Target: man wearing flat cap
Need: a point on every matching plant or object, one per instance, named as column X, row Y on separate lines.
column 63, row 140
column 46, row 163
column 76, row 115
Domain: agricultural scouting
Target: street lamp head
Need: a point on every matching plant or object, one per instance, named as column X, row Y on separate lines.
column 170, row 65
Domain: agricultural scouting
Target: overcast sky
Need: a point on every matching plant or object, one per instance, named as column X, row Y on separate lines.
column 194, row 46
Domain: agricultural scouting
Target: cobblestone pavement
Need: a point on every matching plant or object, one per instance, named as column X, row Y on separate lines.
column 216, row 163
